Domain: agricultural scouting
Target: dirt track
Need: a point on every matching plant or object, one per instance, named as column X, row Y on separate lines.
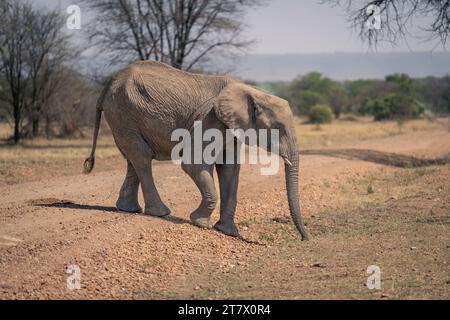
column 47, row 225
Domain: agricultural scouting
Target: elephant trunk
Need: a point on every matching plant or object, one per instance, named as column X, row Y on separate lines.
column 291, row 169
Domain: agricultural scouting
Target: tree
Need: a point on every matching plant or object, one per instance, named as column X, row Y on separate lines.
column 313, row 89
column 303, row 101
column 313, row 81
column 32, row 50
column 399, row 103
column 320, row 113
column 396, row 17
column 338, row 99
column 436, row 93
column 70, row 107
column 359, row 91
column 48, row 50
column 14, row 29
column 181, row 33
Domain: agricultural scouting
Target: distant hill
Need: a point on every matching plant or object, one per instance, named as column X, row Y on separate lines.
column 343, row 66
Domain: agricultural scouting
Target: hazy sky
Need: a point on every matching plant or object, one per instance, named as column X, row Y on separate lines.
column 306, row 26
column 293, row 26
column 297, row 26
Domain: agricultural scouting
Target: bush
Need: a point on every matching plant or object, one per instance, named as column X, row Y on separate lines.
column 381, row 109
column 366, row 107
column 392, row 106
column 418, row 109
column 303, row 101
column 320, row 113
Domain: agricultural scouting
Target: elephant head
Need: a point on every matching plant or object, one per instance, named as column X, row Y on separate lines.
column 241, row 106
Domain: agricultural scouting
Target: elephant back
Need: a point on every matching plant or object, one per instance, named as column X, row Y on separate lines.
column 163, row 93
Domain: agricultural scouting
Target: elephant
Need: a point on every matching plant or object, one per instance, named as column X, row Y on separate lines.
column 146, row 101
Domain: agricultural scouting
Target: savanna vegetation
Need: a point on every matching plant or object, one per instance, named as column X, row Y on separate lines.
column 45, row 93
column 397, row 97
column 45, row 90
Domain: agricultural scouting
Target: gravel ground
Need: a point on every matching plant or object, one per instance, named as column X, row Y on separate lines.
column 358, row 213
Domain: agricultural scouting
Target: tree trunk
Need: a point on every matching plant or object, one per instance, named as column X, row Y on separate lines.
column 16, row 124
column 16, row 132
column 35, row 127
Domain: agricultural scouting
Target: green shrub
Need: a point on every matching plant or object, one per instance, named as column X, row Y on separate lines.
column 381, row 109
column 320, row 113
column 418, row 109
column 303, row 101
column 392, row 106
column 366, row 107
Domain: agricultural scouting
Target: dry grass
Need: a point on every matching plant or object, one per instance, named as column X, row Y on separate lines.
column 402, row 226
column 57, row 151
column 43, row 158
column 386, row 186
column 52, row 151
column 345, row 131
column 362, row 195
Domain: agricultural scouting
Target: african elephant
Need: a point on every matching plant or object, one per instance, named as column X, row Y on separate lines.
column 147, row 101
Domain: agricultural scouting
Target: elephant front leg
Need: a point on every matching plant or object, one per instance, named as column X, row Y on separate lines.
column 228, row 181
column 128, row 197
column 203, row 178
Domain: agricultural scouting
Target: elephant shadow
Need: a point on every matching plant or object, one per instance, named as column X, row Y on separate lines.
column 67, row 204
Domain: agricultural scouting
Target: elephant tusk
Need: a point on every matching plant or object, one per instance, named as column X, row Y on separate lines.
column 286, row 160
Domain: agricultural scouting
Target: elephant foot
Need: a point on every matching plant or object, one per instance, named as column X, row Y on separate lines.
column 229, row 229
column 128, row 206
column 200, row 220
column 159, row 211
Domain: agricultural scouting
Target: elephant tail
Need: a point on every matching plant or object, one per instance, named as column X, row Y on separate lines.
column 90, row 161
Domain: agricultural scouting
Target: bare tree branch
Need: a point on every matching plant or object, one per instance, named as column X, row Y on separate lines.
column 179, row 32
column 32, row 49
column 396, row 18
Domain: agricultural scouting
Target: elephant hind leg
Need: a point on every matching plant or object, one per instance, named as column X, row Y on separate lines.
column 203, row 178
column 153, row 203
column 128, row 197
column 139, row 155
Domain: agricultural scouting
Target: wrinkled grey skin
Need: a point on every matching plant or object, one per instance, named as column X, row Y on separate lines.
column 147, row 101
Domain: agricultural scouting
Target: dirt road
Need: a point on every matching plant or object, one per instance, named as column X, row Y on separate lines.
column 358, row 214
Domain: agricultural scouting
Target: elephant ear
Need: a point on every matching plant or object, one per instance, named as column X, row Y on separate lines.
column 237, row 105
